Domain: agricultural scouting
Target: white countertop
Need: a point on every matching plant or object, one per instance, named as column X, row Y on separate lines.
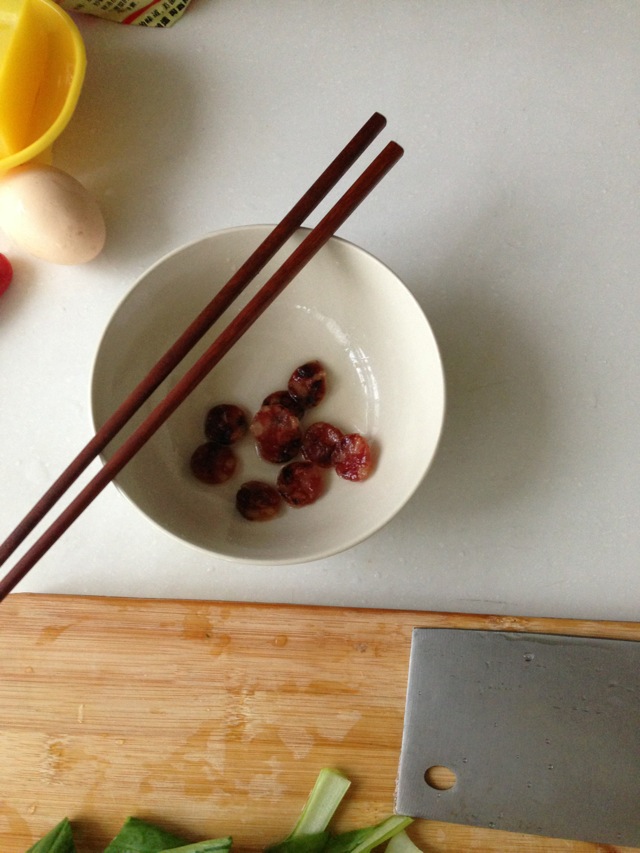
column 513, row 218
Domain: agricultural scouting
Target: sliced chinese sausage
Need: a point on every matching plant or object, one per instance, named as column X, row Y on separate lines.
column 213, row 463
column 277, row 433
column 301, row 483
column 225, row 423
column 352, row 457
column 319, row 442
column 284, row 398
column 308, row 384
column 258, row 501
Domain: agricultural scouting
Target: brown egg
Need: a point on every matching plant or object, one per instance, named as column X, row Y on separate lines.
column 49, row 214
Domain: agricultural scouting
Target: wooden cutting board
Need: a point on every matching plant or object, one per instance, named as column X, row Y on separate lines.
column 215, row 718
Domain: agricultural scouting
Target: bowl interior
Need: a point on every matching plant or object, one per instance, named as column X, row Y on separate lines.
column 384, row 380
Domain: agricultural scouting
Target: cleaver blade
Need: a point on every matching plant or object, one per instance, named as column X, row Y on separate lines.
column 541, row 731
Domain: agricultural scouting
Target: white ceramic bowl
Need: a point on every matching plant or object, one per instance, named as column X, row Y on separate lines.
column 346, row 309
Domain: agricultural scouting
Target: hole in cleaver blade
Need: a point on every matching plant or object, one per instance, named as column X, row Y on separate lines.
column 534, row 733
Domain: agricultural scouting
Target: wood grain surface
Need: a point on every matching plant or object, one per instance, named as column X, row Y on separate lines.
column 214, row 718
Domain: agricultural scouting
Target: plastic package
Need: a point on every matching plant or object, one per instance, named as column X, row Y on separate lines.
column 159, row 13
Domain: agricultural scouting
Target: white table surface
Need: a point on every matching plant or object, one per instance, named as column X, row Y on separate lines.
column 513, row 218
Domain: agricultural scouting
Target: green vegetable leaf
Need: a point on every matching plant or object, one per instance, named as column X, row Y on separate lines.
column 345, row 842
column 58, row 840
column 138, row 836
column 364, row 840
column 309, row 843
column 215, row 845
column 309, row 835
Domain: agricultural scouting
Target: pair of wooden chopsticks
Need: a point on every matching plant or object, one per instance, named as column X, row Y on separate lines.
column 314, row 241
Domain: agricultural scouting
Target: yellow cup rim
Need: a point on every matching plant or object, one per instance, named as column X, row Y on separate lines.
column 41, row 147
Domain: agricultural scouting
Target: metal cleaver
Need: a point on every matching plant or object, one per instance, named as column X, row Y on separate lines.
column 540, row 733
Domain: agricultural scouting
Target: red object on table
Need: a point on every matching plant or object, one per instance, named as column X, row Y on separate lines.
column 6, row 273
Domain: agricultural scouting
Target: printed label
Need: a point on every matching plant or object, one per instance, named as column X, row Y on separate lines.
column 158, row 13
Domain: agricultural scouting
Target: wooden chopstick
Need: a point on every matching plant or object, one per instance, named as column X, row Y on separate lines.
column 195, row 331
column 311, row 244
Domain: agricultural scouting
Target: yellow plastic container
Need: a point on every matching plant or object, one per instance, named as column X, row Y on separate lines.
column 42, row 66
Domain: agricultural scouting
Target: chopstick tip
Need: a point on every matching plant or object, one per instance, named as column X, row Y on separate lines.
column 395, row 149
